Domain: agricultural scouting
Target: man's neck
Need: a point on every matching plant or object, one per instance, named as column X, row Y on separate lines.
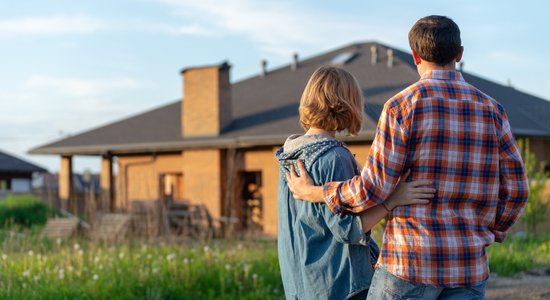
column 426, row 66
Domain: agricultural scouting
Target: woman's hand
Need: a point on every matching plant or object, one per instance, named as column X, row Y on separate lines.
column 407, row 193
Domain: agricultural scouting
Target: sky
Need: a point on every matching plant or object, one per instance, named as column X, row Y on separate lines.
column 69, row 66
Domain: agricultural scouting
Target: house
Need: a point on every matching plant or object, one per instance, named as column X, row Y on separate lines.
column 16, row 174
column 216, row 145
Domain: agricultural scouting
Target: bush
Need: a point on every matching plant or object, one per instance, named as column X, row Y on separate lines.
column 23, row 210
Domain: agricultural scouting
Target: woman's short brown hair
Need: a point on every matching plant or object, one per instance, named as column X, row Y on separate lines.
column 436, row 39
column 332, row 101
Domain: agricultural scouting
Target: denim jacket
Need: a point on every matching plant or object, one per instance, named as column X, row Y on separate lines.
column 321, row 255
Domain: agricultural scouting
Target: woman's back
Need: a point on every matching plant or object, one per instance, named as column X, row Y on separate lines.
column 322, row 255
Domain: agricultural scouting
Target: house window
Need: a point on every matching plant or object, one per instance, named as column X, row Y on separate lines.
column 171, row 186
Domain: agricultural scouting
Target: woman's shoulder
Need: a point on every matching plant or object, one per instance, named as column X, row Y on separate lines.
column 337, row 152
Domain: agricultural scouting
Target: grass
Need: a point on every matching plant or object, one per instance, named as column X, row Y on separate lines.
column 519, row 254
column 81, row 270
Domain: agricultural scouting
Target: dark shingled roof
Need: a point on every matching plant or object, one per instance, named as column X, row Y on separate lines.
column 265, row 109
column 12, row 164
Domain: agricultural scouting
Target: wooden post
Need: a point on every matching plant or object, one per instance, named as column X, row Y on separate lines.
column 66, row 183
column 107, row 183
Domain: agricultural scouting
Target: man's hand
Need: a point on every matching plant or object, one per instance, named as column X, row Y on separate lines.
column 302, row 187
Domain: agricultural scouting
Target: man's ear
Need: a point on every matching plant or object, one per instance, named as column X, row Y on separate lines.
column 459, row 56
column 416, row 58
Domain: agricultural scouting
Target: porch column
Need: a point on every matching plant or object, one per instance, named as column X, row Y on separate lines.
column 107, row 183
column 66, row 183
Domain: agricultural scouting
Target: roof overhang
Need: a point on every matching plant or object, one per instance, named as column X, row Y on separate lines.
column 206, row 143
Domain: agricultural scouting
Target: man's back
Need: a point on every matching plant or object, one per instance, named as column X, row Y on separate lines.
column 455, row 137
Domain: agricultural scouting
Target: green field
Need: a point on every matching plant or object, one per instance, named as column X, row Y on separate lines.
column 31, row 268
column 80, row 270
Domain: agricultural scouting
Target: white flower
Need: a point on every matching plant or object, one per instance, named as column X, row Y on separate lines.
column 80, row 252
column 186, row 261
column 246, row 268
column 31, row 253
column 59, row 241
column 24, row 285
column 70, row 269
column 121, row 255
column 27, row 273
column 4, row 256
column 206, row 249
column 170, row 257
column 254, row 277
column 149, row 256
column 76, row 246
column 155, row 270
column 61, row 275
column 227, row 267
column 37, row 277
column 96, row 259
column 96, row 277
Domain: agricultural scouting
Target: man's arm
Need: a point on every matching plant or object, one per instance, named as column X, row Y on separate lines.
column 379, row 175
column 514, row 187
column 381, row 171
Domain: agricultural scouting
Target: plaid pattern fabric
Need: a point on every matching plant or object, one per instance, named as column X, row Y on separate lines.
column 447, row 131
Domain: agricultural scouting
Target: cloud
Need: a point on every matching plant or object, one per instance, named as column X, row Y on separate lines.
column 52, row 25
column 81, row 87
column 278, row 27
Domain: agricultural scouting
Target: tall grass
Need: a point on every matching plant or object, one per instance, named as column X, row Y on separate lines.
column 80, row 270
column 519, row 254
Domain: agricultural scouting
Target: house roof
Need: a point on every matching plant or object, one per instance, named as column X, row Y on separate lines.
column 12, row 164
column 265, row 109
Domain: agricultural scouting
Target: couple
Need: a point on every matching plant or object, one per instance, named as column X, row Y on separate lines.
column 469, row 184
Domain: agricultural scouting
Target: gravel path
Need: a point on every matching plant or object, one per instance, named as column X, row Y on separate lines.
column 524, row 286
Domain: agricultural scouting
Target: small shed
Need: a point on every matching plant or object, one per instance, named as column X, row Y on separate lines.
column 16, row 174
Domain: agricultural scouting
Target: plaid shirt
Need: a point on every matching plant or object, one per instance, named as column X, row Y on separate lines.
column 447, row 131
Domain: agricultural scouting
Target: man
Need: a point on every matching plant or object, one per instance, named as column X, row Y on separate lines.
column 447, row 131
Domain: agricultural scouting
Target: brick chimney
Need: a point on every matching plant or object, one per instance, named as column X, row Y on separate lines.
column 206, row 107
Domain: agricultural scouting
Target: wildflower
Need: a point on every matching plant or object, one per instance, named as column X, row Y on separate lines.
column 254, row 277
column 96, row 277
column 36, row 277
column 246, row 269
column 170, row 257
column 96, row 259
column 39, row 256
column 4, row 256
column 24, row 285
column 206, row 249
column 76, row 246
column 149, row 256
column 27, row 273
column 227, row 267
column 59, row 241
column 121, row 255
column 70, row 269
column 61, row 275
column 31, row 253
column 80, row 252
column 186, row 261
column 155, row 270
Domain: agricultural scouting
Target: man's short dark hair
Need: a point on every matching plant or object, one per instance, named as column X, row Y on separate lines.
column 435, row 39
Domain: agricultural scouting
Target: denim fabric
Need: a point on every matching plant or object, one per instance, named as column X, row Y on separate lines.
column 386, row 286
column 321, row 255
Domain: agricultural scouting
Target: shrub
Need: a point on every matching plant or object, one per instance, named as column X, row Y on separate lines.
column 23, row 210
column 535, row 210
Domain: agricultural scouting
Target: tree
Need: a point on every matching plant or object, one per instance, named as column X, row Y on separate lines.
column 535, row 210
